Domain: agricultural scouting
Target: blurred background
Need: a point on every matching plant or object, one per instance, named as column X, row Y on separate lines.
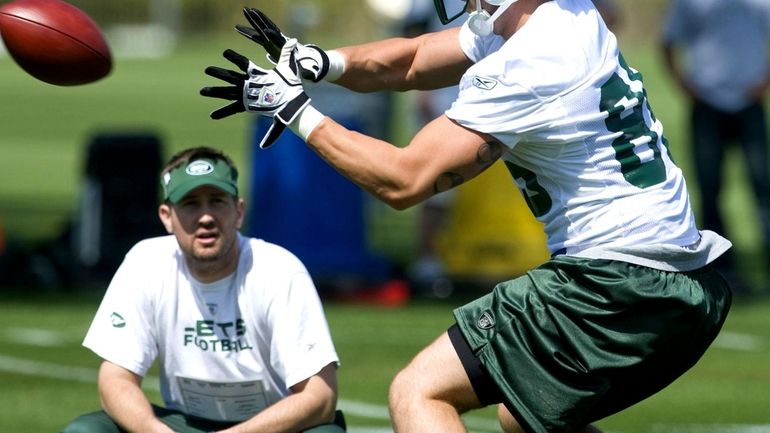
column 62, row 147
column 78, row 186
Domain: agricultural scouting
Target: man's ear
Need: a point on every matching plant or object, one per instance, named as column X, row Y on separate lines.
column 164, row 213
column 240, row 207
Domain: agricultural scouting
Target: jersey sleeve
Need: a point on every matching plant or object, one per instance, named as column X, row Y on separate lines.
column 490, row 104
column 122, row 329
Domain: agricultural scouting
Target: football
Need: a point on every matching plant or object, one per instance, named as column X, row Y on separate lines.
column 55, row 41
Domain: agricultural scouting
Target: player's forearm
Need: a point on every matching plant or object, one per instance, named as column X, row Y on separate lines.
column 290, row 415
column 125, row 403
column 378, row 167
column 312, row 403
column 122, row 398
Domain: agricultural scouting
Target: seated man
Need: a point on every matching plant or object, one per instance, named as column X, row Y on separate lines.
column 236, row 324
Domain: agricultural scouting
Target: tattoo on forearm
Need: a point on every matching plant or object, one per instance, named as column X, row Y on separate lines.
column 489, row 153
column 447, row 181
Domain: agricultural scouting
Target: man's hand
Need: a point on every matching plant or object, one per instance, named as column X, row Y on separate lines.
column 276, row 93
column 313, row 61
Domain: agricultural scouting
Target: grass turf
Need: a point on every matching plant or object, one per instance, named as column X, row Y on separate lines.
column 48, row 378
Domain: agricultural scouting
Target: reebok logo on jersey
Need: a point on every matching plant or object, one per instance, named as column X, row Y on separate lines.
column 484, row 83
column 117, row 320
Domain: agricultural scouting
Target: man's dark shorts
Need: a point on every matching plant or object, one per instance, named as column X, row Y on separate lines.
column 576, row 340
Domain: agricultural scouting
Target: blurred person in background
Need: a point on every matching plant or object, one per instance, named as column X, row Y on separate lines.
column 627, row 303
column 717, row 53
column 235, row 322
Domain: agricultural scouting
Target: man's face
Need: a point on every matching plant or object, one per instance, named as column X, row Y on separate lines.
column 206, row 223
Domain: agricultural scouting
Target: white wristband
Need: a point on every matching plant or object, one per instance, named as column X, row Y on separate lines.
column 306, row 121
column 336, row 65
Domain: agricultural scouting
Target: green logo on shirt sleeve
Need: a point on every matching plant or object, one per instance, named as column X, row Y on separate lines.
column 117, row 320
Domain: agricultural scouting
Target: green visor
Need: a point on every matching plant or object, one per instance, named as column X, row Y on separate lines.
column 449, row 10
column 199, row 172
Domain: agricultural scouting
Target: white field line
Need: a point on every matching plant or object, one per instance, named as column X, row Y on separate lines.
column 49, row 338
column 364, row 410
column 37, row 337
column 736, row 341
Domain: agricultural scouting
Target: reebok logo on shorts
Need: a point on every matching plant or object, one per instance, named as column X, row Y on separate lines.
column 486, row 320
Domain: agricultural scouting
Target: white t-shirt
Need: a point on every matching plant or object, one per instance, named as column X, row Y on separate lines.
column 226, row 350
column 583, row 144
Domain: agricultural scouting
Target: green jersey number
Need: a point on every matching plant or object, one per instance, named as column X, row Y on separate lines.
column 634, row 129
column 535, row 195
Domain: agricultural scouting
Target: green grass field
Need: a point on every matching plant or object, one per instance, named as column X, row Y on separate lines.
column 48, row 378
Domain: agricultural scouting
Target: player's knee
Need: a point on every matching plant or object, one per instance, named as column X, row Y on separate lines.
column 397, row 388
column 403, row 391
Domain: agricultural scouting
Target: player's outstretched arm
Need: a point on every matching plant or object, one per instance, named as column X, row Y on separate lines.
column 441, row 156
column 122, row 398
column 430, row 61
column 426, row 62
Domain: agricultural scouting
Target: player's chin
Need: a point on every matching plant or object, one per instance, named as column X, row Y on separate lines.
column 207, row 255
column 207, row 251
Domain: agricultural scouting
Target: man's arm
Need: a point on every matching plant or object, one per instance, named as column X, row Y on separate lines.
column 670, row 61
column 312, row 402
column 426, row 62
column 124, row 401
column 441, row 156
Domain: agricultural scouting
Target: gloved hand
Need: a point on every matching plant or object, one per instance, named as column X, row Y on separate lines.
column 313, row 61
column 276, row 93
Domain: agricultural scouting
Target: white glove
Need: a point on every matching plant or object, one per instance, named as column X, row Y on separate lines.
column 276, row 93
column 314, row 63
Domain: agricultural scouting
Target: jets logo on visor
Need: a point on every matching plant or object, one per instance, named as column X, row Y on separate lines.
column 484, row 83
column 199, row 168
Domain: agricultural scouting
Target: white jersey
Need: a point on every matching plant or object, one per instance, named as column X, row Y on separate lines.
column 583, row 144
column 226, row 350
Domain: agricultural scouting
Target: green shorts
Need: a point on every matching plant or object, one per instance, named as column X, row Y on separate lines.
column 100, row 422
column 576, row 340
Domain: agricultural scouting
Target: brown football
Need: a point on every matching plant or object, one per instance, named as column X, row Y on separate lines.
column 55, row 41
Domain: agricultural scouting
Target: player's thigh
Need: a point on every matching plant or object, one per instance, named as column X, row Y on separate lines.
column 95, row 422
column 436, row 373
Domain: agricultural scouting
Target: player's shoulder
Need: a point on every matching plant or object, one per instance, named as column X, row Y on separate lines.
column 268, row 254
column 268, row 269
column 152, row 250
